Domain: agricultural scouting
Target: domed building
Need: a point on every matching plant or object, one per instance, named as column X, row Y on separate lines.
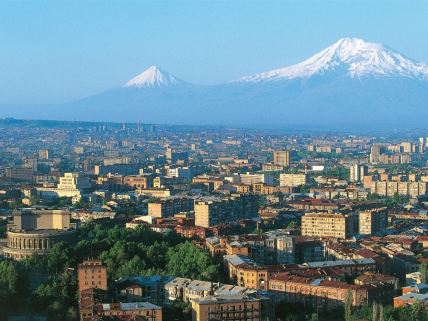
column 36, row 232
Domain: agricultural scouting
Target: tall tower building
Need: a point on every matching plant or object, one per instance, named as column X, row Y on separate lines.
column 357, row 172
column 373, row 222
column 375, row 153
column 422, row 144
column 92, row 274
column 281, row 157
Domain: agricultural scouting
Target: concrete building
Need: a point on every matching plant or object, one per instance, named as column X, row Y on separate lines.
column 141, row 289
column 170, row 206
column 375, row 152
column 328, row 225
column 92, row 274
column 133, row 310
column 36, row 232
column 227, row 307
column 391, row 188
column 323, row 293
column 373, row 222
column 46, row 154
column 214, row 211
column 250, row 179
column 293, row 180
column 357, row 172
column 281, row 158
column 71, row 185
column 139, row 181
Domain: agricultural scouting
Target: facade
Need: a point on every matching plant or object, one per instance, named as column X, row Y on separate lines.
column 281, row 158
column 141, row 289
column 24, row 244
column 250, row 179
column 212, row 212
column 391, row 188
column 92, row 274
column 139, row 181
column 170, row 206
column 36, row 232
column 376, row 151
column 293, row 180
column 71, row 185
column 328, row 225
column 174, row 289
column 357, row 172
column 373, row 222
column 46, row 154
column 145, row 310
column 323, row 293
column 226, row 307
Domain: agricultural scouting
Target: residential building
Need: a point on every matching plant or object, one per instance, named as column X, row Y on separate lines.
column 293, row 180
column 373, row 222
column 170, row 206
column 227, row 307
column 281, row 158
column 92, row 274
column 328, row 225
column 214, row 211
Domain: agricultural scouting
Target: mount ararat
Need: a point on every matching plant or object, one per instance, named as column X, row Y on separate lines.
column 352, row 82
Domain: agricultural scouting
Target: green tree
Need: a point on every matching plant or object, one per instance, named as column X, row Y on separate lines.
column 186, row 260
column 423, row 269
column 348, row 306
column 12, row 277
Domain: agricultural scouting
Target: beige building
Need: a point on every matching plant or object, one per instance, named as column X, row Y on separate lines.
column 215, row 211
column 36, row 232
column 226, row 307
column 391, row 188
column 70, row 185
column 170, row 206
column 139, row 181
column 293, row 180
column 281, row 158
column 373, row 221
column 327, row 225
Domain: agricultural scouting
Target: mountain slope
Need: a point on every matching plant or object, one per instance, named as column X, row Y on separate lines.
column 351, row 56
column 352, row 82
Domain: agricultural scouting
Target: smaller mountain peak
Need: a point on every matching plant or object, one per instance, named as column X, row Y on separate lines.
column 153, row 77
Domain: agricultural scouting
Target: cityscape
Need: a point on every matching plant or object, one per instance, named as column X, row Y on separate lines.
column 299, row 193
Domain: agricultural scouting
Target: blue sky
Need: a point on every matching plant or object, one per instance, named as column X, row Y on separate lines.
column 52, row 51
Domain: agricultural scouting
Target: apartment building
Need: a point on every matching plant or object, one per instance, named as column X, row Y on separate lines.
column 281, row 158
column 373, row 222
column 170, row 206
column 324, row 293
column 227, row 307
column 357, row 172
column 328, row 225
column 254, row 178
column 92, row 274
column 139, row 181
column 391, row 188
column 293, row 180
column 214, row 211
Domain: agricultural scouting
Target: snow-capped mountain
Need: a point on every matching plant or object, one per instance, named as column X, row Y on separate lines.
column 353, row 56
column 350, row 82
column 153, row 77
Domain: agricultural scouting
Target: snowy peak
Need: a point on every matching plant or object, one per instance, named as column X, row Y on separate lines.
column 353, row 56
column 153, row 77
